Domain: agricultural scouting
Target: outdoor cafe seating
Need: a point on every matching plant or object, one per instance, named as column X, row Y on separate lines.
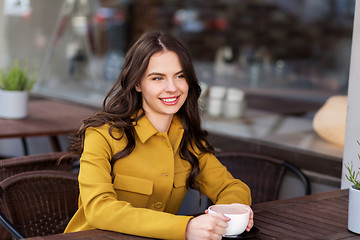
column 231, row 158
column 263, row 174
column 38, row 203
column 46, row 161
column 39, row 195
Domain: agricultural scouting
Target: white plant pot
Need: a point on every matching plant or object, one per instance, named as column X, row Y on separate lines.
column 13, row 104
column 354, row 210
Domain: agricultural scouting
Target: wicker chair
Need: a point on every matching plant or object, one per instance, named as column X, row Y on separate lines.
column 47, row 161
column 38, row 203
column 263, row 174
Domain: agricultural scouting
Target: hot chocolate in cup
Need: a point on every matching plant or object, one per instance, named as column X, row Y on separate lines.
column 238, row 213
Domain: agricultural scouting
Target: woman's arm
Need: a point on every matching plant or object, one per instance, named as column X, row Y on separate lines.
column 100, row 203
column 219, row 185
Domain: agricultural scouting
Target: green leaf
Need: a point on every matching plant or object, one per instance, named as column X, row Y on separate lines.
column 17, row 78
column 352, row 176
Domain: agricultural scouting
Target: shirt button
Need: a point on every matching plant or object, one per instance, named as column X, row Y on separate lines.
column 158, row 205
column 164, row 174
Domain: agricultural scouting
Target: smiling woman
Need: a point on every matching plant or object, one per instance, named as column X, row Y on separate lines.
column 164, row 89
column 141, row 153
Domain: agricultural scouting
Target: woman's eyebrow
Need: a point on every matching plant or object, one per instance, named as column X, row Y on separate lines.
column 155, row 73
column 162, row 74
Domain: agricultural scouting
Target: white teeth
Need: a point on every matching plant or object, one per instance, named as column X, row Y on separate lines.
column 169, row 99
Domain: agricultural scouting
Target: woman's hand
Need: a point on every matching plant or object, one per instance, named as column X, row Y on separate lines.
column 206, row 227
column 251, row 218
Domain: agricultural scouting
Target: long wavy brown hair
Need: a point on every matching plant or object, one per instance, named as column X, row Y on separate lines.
column 123, row 102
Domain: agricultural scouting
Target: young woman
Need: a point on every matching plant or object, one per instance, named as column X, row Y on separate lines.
column 146, row 148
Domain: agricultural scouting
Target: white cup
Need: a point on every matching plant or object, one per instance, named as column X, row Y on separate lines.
column 235, row 95
column 234, row 105
column 234, row 109
column 238, row 213
column 215, row 107
column 215, row 101
column 217, row 92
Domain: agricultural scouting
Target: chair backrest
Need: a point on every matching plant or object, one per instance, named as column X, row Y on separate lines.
column 45, row 161
column 263, row 174
column 39, row 203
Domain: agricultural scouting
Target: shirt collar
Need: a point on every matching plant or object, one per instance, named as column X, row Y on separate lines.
column 176, row 132
column 144, row 129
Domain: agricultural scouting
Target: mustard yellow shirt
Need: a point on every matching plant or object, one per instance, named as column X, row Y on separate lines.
column 149, row 185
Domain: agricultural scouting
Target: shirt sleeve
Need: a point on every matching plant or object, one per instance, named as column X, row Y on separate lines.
column 99, row 200
column 219, row 185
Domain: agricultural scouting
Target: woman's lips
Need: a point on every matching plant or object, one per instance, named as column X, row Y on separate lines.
column 170, row 100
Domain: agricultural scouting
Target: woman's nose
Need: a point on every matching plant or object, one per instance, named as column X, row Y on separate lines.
column 171, row 86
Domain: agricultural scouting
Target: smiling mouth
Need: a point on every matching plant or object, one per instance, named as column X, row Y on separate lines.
column 170, row 100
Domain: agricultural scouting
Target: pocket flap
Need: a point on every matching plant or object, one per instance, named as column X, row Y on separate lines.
column 133, row 184
column 180, row 179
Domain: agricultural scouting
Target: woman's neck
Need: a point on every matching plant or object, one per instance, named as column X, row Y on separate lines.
column 160, row 122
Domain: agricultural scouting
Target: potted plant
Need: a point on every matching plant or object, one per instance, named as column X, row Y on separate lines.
column 354, row 197
column 15, row 85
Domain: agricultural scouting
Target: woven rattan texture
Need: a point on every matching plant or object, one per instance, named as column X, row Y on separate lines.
column 47, row 161
column 40, row 203
column 12, row 166
column 261, row 173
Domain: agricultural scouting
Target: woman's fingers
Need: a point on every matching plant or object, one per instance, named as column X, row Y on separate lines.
column 207, row 226
column 251, row 220
column 250, row 225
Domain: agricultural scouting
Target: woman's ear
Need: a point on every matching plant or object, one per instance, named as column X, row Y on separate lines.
column 137, row 88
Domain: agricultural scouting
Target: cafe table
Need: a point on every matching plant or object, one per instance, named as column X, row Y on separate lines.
column 317, row 216
column 46, row 117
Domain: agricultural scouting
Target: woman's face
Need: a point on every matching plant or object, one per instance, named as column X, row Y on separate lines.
column 163, row 86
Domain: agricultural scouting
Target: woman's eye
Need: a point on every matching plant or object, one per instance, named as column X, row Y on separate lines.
column 181, row 76
column 157, row 78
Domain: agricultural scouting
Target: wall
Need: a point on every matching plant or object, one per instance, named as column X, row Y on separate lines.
column 2, row 30
column 34, row 30
column 352, row 149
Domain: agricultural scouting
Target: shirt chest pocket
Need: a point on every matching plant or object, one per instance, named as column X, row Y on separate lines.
column 179, row 188
column 180, row 179
column 134, row 190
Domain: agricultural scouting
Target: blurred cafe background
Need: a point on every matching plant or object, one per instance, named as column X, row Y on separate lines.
column 266, row 66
